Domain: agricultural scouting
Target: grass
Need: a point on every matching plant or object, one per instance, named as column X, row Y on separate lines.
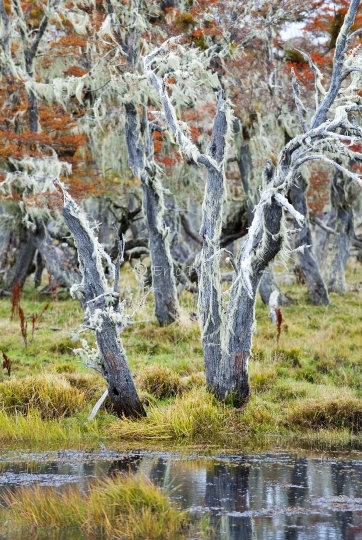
column 124, row 507
column 310, row 383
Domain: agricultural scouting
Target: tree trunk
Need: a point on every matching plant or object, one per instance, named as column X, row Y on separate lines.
column 308, row 265
column 21, row 269
column 140, row 155
column 322, row 238
column 208, row 265
column 233, row 380
column 268, row 285
column 39, row 269
column 245, row 164
column 344, row 232
column 54, row 258
column 103, row 315
column 163, row 280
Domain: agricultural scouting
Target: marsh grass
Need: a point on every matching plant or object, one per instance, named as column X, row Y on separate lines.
column 123, row 507
column 160, row 381
column 52, row 396
column 33, row 429
column 296, row 384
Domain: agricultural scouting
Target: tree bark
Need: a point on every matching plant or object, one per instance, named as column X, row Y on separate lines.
column 308, row 265
column 208, row 265
column 344, row 232
column 103, row 315
column 140, row 155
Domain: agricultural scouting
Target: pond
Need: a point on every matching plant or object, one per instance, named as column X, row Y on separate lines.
column 281, row 495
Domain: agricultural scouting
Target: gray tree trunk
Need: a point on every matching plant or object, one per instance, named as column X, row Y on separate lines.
column 53, row 258
column 322, row 238
column 21, row 269
column 344, row 232
column 308, row 265
column 140, row 155
column 232, row 382
column 103, row 315
column 208, row 266
column 245, row 164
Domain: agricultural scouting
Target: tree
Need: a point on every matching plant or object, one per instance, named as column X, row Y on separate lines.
column 227, row 334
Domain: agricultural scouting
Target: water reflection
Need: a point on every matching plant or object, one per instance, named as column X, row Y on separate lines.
column 257, row 497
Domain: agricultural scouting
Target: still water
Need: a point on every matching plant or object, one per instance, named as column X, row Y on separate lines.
column 281, row 496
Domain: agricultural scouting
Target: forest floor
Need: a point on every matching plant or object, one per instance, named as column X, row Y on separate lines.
column 306, row 389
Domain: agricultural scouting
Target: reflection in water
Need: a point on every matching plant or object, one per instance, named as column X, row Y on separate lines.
column 257, row 497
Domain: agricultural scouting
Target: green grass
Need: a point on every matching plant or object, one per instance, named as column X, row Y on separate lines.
column 316, row 367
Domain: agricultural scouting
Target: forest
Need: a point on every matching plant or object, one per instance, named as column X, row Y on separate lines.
column 180, row 260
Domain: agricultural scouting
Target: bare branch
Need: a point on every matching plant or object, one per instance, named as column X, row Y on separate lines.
column 285, row 204
column 298, row 102
column 338, row 60
column 318, row 77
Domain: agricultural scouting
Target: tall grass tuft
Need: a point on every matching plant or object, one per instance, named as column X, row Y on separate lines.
column 127, row 507
column 51, row 395
column 159, row 381
column 195, row 417
column 343, row 412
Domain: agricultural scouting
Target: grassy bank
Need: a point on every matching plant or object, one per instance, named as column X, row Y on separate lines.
column 307, row 385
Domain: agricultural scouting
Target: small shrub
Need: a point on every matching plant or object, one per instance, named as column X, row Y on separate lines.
column 333, row 413
column 51, row 395
column 325, row 365
column 309, row 374
column 195, row 380
column 258, row 355
column 159, row 381
column 288, row 390
column 90, row 384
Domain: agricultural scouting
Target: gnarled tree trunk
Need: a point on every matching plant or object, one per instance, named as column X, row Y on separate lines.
column 245, row 164
column 103, row 315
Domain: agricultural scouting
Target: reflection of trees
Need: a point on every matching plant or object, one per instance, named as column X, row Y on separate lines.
column 130, row 464
column 296, row 495
column 228, row 487
column 340, row 480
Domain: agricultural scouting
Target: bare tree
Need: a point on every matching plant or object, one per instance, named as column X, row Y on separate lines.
column 227, row 334
column 139, row 140
column 103, row 313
